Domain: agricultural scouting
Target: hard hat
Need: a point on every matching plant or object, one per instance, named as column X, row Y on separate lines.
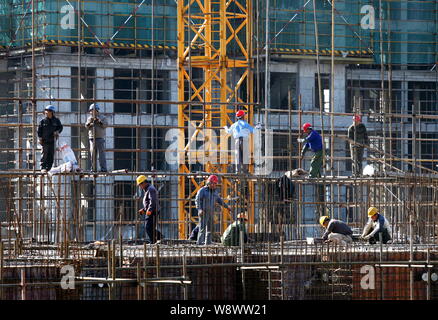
column 357, row 118
column 94, row 106
column 242, row 216
column 322, row 220
column 372, row 211
column 306, row 126
column 50, row 108
column 240, row 114
column 141, row 179
column 213, row 179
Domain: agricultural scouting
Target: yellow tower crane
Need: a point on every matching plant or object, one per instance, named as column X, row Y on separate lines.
column 215, row 78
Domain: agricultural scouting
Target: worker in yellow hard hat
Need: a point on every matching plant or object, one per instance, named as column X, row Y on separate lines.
column 377, row 228
column 151, row 208
column 336, row 231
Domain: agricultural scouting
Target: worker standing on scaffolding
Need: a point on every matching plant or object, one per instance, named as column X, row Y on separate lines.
column 241, row 130
column 48, row 132
column 357, row 133
column 377, row 227
column 151, row 208
column 205, row 201
column 96, row 125
column 336, row 231
column 313, row 141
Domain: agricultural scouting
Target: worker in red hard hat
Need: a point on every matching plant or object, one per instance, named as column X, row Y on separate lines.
column 206, row 200
column 357, row 133
column 313, row 141
column 240, row 131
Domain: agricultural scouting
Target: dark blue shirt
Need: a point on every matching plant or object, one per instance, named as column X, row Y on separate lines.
column 313, row 141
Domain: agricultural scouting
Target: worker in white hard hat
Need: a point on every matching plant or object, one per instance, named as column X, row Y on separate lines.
column 48, row 132
column 377, row 227
column 336, row 231
column 96, row 125
column 241, row 130
column 150, row 210
column 231, row 236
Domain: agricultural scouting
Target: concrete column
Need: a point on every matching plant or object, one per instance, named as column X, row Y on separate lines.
column 306, row 83
column 105, row 90
column 105, row 210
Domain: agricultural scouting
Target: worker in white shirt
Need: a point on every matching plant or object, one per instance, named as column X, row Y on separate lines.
column 241, row 131
column 377, row 227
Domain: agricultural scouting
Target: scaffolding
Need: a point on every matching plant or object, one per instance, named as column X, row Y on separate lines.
column 169, row 75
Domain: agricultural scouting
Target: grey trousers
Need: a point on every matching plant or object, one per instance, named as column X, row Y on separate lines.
column 356, row 158
column 241, row 159
column 340, row 239
column 97, row 148
column 206, row 224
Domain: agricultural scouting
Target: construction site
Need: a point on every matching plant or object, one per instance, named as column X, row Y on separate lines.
column 169, row 75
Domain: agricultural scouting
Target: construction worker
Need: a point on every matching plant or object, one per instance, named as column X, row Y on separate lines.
column 241, row 130
column 96, row 125
column 336, row 231
column 194, row 234
column 231, row 236
column 205, row 201
column 151, row 208
column 313, row 141
column 377, row 227
column 48, row 132
column 357, row 133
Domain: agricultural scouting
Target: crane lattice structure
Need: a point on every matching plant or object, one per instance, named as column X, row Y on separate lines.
column 215, row 78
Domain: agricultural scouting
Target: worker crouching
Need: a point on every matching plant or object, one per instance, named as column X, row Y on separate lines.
column 376, row 228
column 336, row 231
column 231, row 236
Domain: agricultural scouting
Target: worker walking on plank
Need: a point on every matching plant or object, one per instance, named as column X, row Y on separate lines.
column 151, row 209
column 48, row 132
column 313, row 141
column 96, row 125
column 205, row 201
column 357, row 133
column 231, row 236
column 336, row 231
column 241, row 130
column 377, row 227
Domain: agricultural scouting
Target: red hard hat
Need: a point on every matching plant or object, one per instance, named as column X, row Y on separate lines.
column 306, row 126
column 240, row 113
column 213, row 179
column 357, row 118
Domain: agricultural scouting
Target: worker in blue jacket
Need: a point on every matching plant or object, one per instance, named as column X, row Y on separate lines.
column 313, row 141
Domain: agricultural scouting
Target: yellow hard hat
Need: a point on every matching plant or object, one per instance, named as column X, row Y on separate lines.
column 372, row 211
column 141, row 179
column 322, row 219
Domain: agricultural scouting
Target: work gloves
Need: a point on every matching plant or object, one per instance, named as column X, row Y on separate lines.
column 143, row 211
column 56, row 134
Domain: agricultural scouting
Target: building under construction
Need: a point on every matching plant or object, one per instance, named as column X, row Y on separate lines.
column 169, row 75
